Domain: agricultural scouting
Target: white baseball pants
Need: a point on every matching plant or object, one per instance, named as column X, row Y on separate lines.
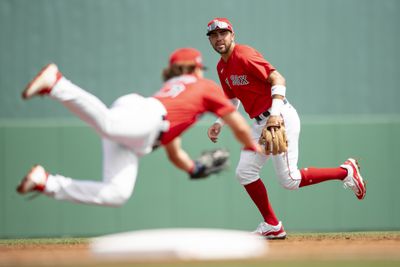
column 288, row 174
column 128, row 130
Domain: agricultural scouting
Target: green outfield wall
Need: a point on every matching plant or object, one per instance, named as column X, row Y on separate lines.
column 165, row 197
column 340, row 60
column 337, row 56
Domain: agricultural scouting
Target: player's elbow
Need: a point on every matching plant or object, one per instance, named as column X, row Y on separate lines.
column 282, row 80
column 277, row 78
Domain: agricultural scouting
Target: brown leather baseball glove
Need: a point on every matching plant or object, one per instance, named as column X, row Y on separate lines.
column 273, row 138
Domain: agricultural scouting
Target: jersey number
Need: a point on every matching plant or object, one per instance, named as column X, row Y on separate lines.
column 171, row 90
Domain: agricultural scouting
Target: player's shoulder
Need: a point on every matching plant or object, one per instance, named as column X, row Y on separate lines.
column 244, row 50
column 208, row 87
column 246, row 53
column 208, row 83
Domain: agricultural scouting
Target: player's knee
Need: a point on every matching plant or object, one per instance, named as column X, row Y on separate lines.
column 120, row 200
column 246, row 176
column 116, row 196
column 288, row 182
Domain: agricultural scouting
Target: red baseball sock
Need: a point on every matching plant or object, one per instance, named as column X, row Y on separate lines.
column 259, row 195
column 311, row 176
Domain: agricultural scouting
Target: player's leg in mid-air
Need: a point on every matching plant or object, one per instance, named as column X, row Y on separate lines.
column 115, row 187
column 132, row 120
column 123, row 140
column 290, row 177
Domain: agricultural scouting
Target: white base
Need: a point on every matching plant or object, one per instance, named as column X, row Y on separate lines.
column 180, row 243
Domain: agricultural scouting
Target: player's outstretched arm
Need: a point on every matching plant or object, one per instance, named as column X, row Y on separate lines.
column 210, row 162
column 215, row 129
column 178, row 156
column 241, row 130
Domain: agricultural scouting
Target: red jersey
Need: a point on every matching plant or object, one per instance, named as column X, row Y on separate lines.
column 186, row 98
column 244, row 76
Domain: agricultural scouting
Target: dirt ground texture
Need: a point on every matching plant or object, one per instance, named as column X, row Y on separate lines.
column 365, row 246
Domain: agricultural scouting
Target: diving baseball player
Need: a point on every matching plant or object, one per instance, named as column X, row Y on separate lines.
column 134, row 126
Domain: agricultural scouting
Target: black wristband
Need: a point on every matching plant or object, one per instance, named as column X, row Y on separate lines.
column 198, row 171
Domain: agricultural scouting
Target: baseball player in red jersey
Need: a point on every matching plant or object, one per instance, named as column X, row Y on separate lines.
column 132, row 127
column 247, row 78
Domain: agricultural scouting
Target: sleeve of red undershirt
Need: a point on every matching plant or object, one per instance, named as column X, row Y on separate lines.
column 256, row 64
column 215, row 101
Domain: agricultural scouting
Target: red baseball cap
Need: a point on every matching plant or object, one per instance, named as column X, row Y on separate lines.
column 186, row 56
column 219, row 23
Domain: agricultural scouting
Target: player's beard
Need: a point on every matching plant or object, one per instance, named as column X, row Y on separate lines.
column 225, row 50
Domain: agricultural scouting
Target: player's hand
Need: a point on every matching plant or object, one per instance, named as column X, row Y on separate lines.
column 272, row 121
column 214, row 131
column 273, row 136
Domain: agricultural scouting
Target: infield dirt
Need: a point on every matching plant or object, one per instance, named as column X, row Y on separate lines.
column 332, row 247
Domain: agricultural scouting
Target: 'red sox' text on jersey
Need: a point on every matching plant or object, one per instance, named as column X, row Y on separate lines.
column 244, row 76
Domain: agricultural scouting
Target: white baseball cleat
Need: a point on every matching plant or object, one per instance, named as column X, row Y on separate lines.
column 43, row 83
column 270, row 231
column 354, row 179
column 35, row 180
